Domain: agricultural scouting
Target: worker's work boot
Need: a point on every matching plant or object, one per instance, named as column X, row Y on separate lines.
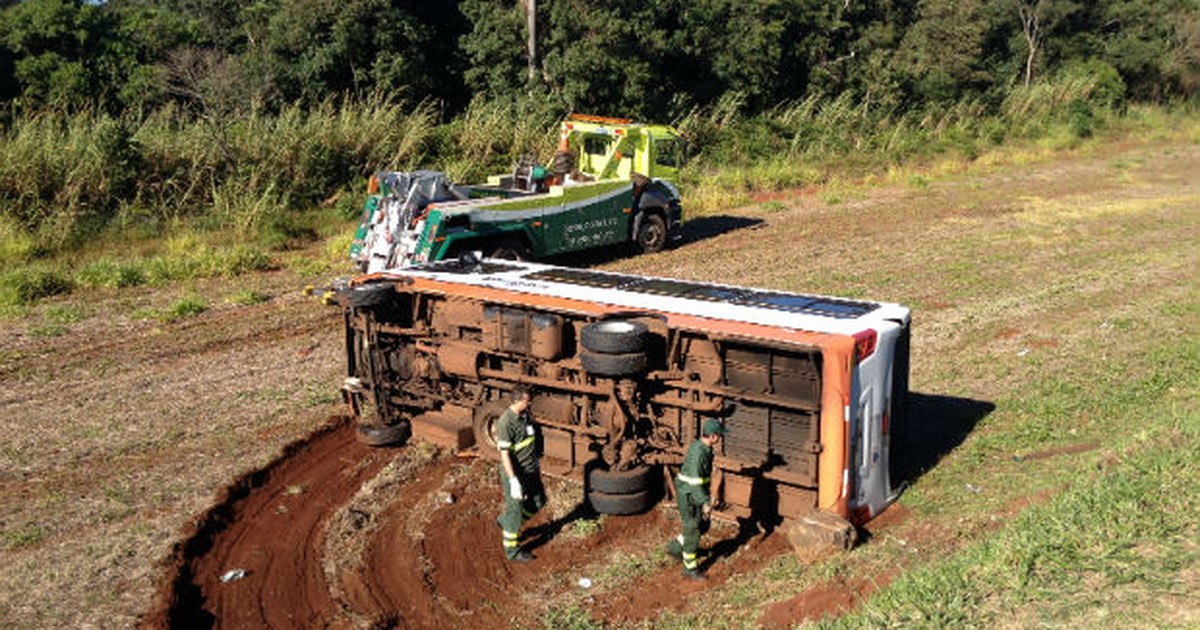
column 522, row 557
column 694, row 575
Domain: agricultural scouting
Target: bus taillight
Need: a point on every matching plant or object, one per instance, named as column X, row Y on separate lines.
column 864, row 343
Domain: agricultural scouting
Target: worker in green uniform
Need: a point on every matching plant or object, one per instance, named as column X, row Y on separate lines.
column 691, row 491
column 520, row 473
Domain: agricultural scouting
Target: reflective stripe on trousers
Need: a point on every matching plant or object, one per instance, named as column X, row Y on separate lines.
column 511, row 539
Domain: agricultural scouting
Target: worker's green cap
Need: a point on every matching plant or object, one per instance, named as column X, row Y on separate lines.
column 712, row 426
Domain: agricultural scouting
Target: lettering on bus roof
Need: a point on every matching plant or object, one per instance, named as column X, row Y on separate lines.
column 788, row 302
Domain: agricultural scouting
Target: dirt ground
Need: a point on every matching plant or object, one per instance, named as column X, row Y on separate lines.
column 141, row 462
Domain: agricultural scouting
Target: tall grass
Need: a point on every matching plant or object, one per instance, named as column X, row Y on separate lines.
column 67, row 182
column 491, row 135
column 816, row 139
column 64, row 178
column 62, row 174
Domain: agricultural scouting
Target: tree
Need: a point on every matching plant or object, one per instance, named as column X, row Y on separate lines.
column 53, row 42
column 943, row 49
column 1154, row 45
column 1038, row 19
column 494, row 47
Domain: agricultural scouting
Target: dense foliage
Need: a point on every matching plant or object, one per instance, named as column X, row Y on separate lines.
column 650, row 58
column 147, row 114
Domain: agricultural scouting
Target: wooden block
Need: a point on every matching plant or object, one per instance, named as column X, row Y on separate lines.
column 444, row 429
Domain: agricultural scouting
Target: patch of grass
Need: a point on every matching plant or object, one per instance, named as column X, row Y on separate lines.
column 111, row 274
column 774, row 206
column 62, row 314
column 920, row 182
column 247, row 297
column 56, row 319
column 309, row 267
column 318, row 395
column 27, row 285
column 584, row 527
column 189, row 305
column 625, row 567
column 26, row 535
column 205, row 262
column 571, row 617
column 49, row 330
column 16, row 247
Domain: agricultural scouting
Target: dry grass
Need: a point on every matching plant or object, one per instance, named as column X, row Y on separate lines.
column 116, row 432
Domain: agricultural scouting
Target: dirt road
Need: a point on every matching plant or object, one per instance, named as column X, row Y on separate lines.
column 141, row 461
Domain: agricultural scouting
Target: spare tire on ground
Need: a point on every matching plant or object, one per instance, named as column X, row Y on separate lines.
column 636, row 479
column 620, row 504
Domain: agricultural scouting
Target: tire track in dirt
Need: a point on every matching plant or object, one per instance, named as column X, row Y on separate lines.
column 434, row 560
column 270, row 523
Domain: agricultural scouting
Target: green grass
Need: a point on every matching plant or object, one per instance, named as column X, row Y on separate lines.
column 1057, row 563
column 111, row 274
column 186, row 306
column 1115, row 535
column 27, row 285
column 247, row 297
column 24, row 536
column 571, row 617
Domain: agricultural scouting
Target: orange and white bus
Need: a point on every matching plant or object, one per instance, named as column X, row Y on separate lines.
column 624, row 369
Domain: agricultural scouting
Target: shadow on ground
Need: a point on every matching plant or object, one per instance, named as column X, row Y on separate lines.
column 701, row 228
column 539, row 535
column 934, row 425
column 694, row 230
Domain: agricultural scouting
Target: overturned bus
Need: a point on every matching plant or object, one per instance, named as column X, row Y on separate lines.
column 624, row 368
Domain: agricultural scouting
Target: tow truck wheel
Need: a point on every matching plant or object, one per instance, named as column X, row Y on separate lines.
column 508, row 249
column 652, row 234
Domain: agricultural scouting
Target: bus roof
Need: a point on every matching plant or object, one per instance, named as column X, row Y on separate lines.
column 816, row 313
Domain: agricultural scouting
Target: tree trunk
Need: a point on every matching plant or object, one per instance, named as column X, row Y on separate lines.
column 531, row 25
column 1030, row 28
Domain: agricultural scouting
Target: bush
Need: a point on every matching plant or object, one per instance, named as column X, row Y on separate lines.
column 1101, row 83
column 186, row 306
column 28, row 285
column 1081, row 119
column 111, row 274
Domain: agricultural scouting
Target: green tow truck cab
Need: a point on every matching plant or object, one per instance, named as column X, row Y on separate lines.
column 609, row 183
